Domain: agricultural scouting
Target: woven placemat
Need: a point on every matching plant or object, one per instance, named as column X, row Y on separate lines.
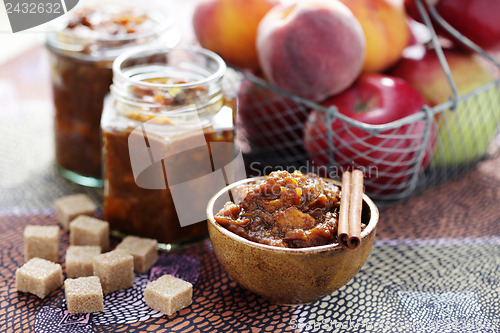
column 404, row 284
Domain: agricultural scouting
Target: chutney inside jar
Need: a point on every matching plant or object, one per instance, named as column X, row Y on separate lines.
column 160, row 129
column 290, row 210
column 81, row 54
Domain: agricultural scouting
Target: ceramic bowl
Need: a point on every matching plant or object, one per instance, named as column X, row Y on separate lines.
column 288, row 275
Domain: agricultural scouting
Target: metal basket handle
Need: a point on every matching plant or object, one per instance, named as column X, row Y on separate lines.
column 439, row 52
column 455, row 33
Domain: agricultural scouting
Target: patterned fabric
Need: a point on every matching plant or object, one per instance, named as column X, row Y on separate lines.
column 451, row 312
column 426, row 285
column 435, row 266
column 414, row 288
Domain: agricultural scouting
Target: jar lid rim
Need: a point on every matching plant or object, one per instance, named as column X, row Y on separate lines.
column 66, row 40
column 219, row 73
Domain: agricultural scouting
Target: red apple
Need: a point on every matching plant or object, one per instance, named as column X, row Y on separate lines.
column 465, row 133
column 266, row 119
column 477, row 20
column 387, row 157
column 313, row 49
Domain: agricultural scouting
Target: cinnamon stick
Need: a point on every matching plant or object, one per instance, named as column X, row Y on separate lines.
column 343, row 224
column 351, row 203
column 355, row 208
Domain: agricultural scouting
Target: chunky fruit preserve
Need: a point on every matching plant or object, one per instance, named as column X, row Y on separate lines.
column 285, row 210
column 81, row 56
column 166, row 114
column 132, row 209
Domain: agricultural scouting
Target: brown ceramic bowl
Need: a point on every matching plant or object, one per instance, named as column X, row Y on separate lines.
column 288, row 275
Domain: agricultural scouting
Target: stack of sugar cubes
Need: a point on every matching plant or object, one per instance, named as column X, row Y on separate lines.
column 92, row 271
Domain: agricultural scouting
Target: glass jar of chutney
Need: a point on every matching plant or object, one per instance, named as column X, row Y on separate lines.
column 81, row 52
column 168, row 136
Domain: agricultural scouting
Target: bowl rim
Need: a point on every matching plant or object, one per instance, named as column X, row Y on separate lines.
column 372, row 223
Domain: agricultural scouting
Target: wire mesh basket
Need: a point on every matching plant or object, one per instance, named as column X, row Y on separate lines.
column 399, row 159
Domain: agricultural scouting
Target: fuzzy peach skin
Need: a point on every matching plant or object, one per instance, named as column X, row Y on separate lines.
column 229, row 28
column 386, row 31
column 313, row 49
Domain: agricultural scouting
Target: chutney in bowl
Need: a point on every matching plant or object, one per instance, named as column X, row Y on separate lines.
column 287, row 275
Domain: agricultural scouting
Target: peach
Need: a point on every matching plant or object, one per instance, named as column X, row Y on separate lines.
column 386, row 31
column 313, row 49
column 229, row 28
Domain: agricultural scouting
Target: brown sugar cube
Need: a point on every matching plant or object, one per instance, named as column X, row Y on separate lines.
column 168, row 294
column 79, row 260
column 39, row 276
column 42, row 242
column 71, row 206
column 84, row 295
column 142, row 249
column 86, row 230
column 115, row 269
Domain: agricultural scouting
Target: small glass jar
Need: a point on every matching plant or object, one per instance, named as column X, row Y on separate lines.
column 81, row 53
column 168, row 132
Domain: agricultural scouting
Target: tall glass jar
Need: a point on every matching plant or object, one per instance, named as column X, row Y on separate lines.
column 81, row 52
column 168, row 131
